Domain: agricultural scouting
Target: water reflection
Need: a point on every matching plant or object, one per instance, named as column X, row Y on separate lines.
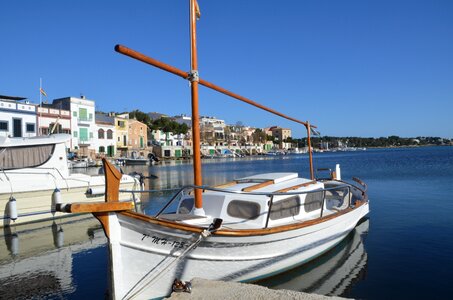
column 36, row 260
column 333, row 273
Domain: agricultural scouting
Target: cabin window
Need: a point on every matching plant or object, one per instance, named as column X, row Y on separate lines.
column 186, row 206
column 243, row 209
column 285, row 208
column 25, row 157
column 313, row 201
column 3, row 125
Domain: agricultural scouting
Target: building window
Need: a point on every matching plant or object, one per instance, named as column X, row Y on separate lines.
column 83, row 114
column 30, row 127
column 109, row 134
column 75, row 134
column 83, row 134
column 3, row 125
column 74, row 114
column 101, row 133
column 91, row 135
column 101, row 149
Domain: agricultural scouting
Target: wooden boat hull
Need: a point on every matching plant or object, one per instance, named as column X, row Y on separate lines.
column 141, row 251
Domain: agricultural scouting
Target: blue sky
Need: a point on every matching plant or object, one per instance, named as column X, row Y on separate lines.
column 353, row 68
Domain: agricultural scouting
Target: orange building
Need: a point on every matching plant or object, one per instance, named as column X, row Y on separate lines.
column 137, row 135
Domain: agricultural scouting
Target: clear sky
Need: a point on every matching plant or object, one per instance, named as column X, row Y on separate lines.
column 353, row 68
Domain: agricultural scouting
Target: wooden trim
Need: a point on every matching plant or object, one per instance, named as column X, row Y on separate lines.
column 258, row 186
column 295, row 187
column 112, row 182
column 178, row 72
column 225, row 185
column 97, row 207
column 238, row 232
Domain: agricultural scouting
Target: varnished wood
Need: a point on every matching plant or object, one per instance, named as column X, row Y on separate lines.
column 258, row 186
column 104, row 219
column 158, row 64
column 239, row 232
column 112, row 182
column 310, row 152
column 197, row 177
column 95, row 207
column 225, row 185
column 295, row 187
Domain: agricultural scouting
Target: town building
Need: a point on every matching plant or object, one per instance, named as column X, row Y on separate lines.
column 281, row 135
column 122, row 131
column 105, row 142
column 212, row 131
column 82, row 123
column 17, row 117
column 138, row 135
column 53, row 120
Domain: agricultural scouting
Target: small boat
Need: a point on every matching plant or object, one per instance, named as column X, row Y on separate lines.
column 244, row 230
column 135, row 159
column 35, row 175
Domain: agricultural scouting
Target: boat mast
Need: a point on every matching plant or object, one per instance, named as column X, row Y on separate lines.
column 195, row 80
column 195, row 113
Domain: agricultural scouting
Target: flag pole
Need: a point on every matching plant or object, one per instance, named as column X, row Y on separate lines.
column 40, row 107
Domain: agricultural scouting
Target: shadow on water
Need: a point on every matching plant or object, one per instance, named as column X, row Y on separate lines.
column 333, row 273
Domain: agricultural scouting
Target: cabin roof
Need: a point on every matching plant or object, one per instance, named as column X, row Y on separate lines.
column 271, row 183
column 276, row 177
column 36, row 140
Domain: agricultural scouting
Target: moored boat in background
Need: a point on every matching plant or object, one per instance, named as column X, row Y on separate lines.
column 35, row 175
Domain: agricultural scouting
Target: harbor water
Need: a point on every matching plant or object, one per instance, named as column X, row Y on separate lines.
column 404, row 250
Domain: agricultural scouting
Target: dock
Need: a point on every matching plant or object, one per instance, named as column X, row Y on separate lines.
column 203, row 289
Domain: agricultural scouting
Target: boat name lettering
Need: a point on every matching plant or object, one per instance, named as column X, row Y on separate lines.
column 164, row 241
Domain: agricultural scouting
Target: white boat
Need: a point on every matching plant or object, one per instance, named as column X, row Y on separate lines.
column 244, row 230
column 35, row 170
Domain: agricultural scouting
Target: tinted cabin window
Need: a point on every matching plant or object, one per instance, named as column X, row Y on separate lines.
column 243, row 209
column 186, row 206
column 288, row 207
column 313, row 201
column 25, row 157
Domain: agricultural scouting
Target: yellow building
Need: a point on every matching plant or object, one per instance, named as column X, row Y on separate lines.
column 122, row 132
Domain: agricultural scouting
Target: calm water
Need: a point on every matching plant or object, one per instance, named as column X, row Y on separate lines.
column 404, row 250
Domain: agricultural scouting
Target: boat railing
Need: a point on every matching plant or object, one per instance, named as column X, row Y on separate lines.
column 188, row 189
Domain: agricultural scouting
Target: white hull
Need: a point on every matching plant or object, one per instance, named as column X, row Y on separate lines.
column 140, row 252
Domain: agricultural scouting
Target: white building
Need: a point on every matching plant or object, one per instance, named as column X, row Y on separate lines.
column 212, row 130
column 17, row 117
column 50, row 118
column 105, row 136
column 83, row 125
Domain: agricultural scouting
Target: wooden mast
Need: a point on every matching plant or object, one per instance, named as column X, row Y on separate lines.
column 195, row 80
column 195, row 113
column 310, row 153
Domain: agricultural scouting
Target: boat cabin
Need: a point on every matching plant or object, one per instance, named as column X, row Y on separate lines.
column 265, row 200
